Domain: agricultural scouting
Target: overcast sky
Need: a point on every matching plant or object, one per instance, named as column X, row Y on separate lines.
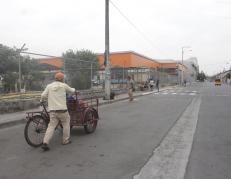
column 164, row 27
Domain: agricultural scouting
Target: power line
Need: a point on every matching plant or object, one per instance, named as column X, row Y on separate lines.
column 63, row 58
column 134, row 26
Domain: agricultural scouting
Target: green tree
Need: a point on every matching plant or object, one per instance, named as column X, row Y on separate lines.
column 31, row 70
column 8, row 59
column 8, row 67
column 79, row 65
column 9, row 81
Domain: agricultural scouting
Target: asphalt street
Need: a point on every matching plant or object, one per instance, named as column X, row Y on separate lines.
column 127, row 135
column 211, row 151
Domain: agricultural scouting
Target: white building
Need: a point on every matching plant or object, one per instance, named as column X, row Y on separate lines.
column 192, row 69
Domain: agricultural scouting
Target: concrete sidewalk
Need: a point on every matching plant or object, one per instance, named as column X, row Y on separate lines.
column 11, row 119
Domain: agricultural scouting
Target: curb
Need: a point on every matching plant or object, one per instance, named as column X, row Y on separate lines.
column 135, row 96
column 8, row 124
column 12, row 123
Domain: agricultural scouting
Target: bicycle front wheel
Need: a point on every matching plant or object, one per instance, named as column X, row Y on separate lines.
column 35, row 130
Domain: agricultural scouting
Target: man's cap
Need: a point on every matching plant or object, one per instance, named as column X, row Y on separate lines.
column 59, row 76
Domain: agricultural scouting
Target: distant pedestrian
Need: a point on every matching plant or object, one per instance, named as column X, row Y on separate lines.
column 151, row 85
column 56, row 95
column 130, row 87
column 157, row 84
column 185, row 82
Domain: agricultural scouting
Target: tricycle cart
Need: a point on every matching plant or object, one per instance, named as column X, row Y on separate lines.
column 83, row 112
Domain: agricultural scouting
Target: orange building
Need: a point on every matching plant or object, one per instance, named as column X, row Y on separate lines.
column 57, row 62
column 168, row 66
column 140, row 67
column 129, row 59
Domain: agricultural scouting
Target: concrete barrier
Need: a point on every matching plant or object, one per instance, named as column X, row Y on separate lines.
column 7, row 106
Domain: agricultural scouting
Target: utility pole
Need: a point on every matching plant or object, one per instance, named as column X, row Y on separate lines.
column 65, row 71
column 182, row 71
column 179, row 73
column 19, row 67
column 106, row 60
column 91, row 76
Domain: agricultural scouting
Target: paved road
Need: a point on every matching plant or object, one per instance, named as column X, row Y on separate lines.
column 126, row 137
column 123, row 142
column 211, row 151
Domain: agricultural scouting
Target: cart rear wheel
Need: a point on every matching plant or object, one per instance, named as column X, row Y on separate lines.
column 91, row 122
column 34, row 131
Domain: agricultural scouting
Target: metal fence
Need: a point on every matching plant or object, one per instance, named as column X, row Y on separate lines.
column 85, row 76
column 88, row 76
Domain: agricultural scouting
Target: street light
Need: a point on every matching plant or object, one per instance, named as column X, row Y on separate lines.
column 182, row 72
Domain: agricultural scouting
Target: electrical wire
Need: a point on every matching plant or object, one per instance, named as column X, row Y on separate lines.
column 63, row 58
column 134, row 26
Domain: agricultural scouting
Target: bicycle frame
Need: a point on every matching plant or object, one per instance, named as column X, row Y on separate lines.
column 44, row 113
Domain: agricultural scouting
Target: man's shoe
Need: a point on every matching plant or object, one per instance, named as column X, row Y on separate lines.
column 68, row 142
column 45, row 147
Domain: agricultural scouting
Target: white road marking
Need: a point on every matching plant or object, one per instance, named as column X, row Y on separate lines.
column 192, row 93
column 177, row 92
column 170, row 158
column 147, row 93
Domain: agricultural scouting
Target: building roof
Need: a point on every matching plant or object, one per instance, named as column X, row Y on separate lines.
column 124, row 59
column 130, row 52
column 128, row 59
column 167, row 61
column 57, row 62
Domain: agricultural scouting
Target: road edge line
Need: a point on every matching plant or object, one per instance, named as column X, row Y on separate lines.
column 167, row 161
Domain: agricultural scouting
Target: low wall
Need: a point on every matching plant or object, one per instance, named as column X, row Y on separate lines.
column 7, row 106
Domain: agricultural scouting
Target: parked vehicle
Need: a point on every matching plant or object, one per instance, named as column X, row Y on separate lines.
column 217, row 82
